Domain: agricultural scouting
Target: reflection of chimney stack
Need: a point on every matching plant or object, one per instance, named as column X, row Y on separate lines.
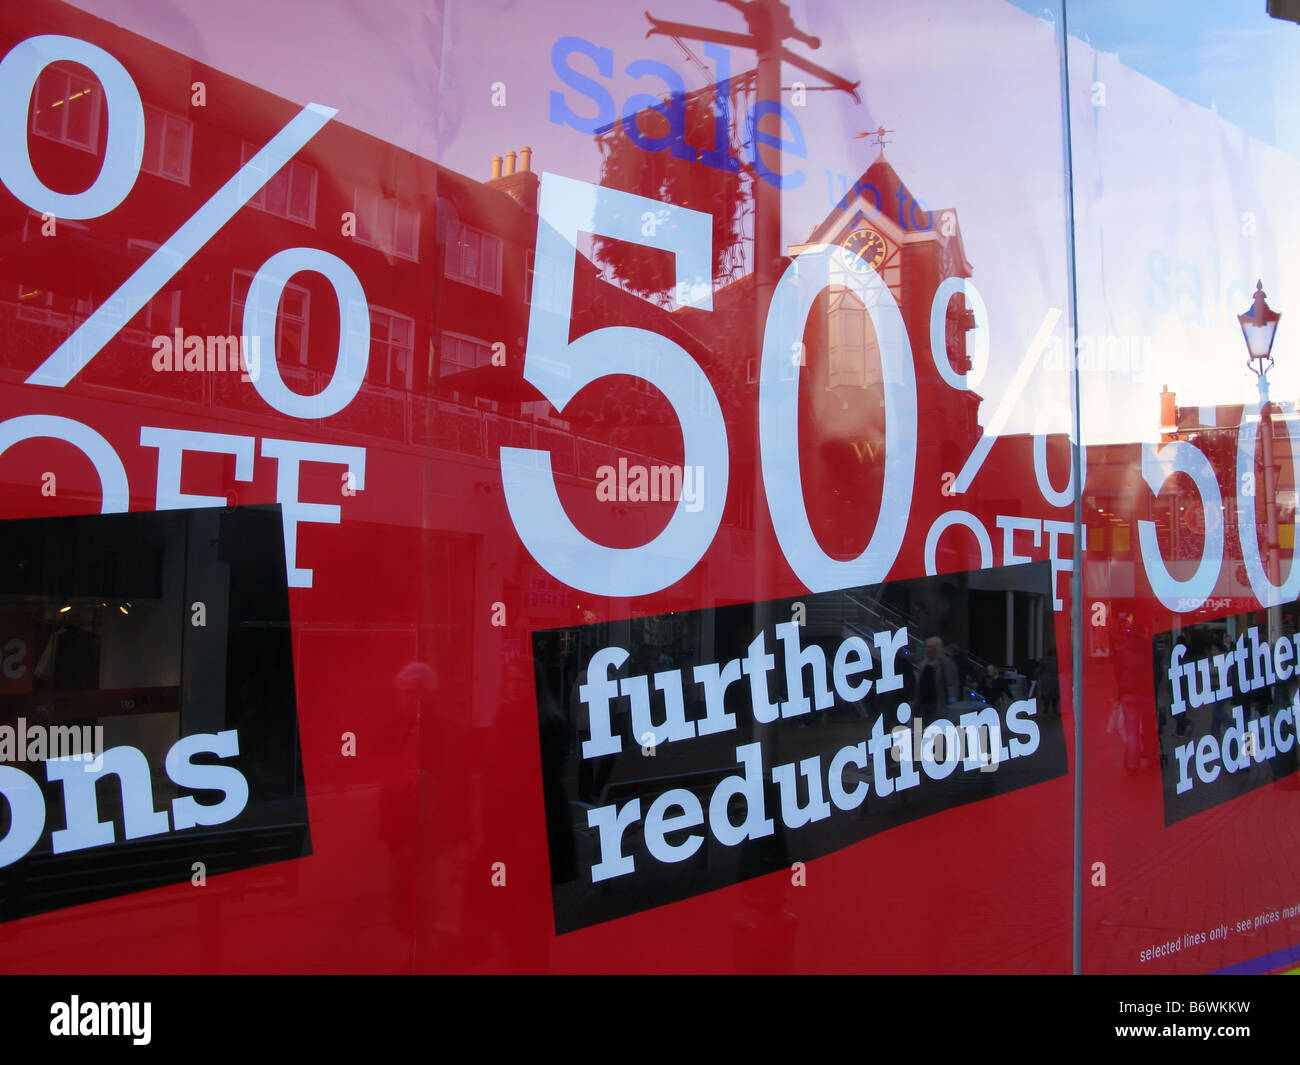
column 1168, row 413
column 520, row 185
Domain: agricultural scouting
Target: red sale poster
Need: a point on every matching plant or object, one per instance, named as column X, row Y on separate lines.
column 558, row 488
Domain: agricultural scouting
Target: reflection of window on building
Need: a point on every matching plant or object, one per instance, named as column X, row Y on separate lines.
column 460, row 352
column 167, row 144
column 851, row 342
column 291, row 193
column 162, row 314
column 43, row 307
column 753, row 366
column 474, row 257
column 386, row 224
column 959, row 321
column 58, row 308
column 392, row 338
column 547, row 299
column 67, row 108
column 290, row 322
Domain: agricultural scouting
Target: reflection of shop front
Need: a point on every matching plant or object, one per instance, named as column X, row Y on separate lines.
column 147, row 641
column 1181, row 526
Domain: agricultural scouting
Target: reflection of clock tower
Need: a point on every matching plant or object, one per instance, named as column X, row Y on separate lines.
column 872, row 248
column 913, row 250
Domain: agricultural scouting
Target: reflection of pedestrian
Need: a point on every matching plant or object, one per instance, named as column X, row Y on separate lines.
column 906, row 671
column 415, row 689
column 1132, row 681
column 937, row 685
column 994, row 688
column 1047, row 683
column 553, row 733
column 966, row 672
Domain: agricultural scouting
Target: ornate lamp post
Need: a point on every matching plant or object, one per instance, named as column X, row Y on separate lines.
column 1259, row 327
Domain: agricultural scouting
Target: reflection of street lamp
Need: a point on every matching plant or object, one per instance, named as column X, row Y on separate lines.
column 1259, row 327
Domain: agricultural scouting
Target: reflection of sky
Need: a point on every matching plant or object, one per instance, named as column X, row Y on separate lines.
column 376, row 63
column 1226, row 55
column 971, row 88
column 961, row 84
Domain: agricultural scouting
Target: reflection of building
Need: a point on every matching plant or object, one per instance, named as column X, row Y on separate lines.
column 1117, row 498
column 913, row 251
column 448, row 386
column 348, row 207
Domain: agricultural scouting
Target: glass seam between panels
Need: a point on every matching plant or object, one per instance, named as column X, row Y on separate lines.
column 1076, row 472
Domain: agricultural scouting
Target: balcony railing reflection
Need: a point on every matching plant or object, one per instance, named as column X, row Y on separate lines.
column 402, row 418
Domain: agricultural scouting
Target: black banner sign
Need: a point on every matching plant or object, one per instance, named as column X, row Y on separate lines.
column 148, row 721
column 689, row 751
column 1227, row 711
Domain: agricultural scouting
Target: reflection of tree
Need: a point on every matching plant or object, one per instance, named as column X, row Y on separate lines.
column 1181, row 526
column 1220, row 447
column 659, row 175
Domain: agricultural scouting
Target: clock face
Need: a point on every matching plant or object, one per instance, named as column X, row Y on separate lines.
column 868, row 245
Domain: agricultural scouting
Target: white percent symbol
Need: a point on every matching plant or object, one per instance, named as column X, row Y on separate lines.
column 122, row 159
column 1010, row 398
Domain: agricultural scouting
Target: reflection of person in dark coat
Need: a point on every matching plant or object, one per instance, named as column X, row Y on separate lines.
column 1047, row 683
column 937, row 684
column 994, row 688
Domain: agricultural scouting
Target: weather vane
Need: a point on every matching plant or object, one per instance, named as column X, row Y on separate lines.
column 879, row 133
